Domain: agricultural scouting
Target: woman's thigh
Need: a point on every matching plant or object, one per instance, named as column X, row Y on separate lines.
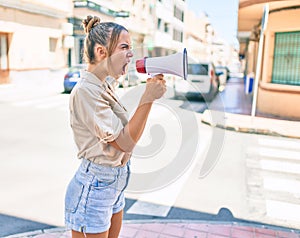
column 113, row 232
column 116, row 224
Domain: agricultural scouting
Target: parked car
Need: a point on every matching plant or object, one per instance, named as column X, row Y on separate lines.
column 72, row 77
column 224, row 74
column 202, row 82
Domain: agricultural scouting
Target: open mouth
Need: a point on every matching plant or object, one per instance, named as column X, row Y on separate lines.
column 124, row 69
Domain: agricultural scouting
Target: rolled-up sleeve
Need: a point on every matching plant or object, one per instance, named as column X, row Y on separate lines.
column 107, row 124
column 98, row 116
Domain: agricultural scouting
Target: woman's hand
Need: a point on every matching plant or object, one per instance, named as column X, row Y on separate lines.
column 155, row 88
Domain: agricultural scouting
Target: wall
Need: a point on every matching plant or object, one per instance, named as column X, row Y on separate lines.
column 285, row 96
column 29, row 49
column 29, row 39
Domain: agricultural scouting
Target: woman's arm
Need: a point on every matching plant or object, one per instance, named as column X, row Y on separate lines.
column 132, row 132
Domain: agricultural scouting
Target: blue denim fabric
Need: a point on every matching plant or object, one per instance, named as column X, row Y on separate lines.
column 94, row 194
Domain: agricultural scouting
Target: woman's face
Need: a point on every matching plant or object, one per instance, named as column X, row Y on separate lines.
column 121, row 56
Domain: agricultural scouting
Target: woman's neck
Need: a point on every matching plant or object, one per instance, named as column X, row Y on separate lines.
column 99, row 70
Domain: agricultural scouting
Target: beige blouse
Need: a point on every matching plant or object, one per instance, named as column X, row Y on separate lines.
column 97, row 117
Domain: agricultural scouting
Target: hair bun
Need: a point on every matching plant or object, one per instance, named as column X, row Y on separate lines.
column 90, row 22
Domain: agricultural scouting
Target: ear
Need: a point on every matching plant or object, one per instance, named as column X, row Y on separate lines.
column 101, row 52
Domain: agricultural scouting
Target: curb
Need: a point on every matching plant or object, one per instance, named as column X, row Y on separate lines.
column 39, row 232
column 247, row 130
column 251, row 125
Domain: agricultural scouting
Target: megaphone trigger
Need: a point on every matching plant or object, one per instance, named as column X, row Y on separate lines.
column 153, row 75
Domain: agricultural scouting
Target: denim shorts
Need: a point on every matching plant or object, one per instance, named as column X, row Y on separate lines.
column 94, row 194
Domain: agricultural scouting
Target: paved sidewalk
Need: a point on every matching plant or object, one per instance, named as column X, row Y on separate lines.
column 26, row 85
column 181, row 229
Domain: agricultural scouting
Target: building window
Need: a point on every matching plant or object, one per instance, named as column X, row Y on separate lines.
column 3, row 53
column 158, row 23
column 151, row 9
column 52, row 44
column 166, row 27
column 177, row 35
column 178, row 13
column 286, row 63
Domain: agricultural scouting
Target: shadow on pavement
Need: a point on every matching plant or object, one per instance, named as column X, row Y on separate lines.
column 224, row 215
column 11, row 225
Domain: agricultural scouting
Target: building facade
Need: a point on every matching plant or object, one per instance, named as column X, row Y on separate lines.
column 279, row 77
column 47, row 34
column 105, row 10
column 33, row 35
column 156, row 27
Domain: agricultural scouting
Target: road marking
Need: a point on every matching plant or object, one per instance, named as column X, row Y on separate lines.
column 36, row 101
column 283, row 210
column 45, row 103
column 163, row 199
column 275, row 195
column 279, row 153
column 52, row 105
column 284, row 185
column 288, row 144
column 8, row 85
column 149, row 209
column 280, row 166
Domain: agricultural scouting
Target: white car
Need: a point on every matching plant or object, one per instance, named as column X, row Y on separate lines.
column 202, row 82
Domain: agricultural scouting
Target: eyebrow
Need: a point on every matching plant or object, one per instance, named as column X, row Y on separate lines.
column 125, row 45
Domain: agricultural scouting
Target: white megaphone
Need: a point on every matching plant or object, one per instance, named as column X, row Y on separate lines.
column 171, row 64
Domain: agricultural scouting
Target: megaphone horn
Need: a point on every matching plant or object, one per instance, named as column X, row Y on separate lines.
column 171, row 64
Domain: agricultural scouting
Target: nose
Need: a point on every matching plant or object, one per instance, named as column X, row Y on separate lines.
column 129, row 53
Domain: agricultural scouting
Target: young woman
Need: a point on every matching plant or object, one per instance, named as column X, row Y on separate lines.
column 104, row 136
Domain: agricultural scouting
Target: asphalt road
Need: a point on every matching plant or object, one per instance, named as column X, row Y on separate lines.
column 36, row 137
column 39, row 158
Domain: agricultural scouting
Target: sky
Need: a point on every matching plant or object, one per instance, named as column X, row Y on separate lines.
column 223, row 15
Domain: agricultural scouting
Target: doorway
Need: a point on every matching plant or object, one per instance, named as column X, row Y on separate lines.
column 4, row 67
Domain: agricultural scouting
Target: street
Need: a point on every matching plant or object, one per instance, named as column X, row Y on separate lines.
column 242, row 181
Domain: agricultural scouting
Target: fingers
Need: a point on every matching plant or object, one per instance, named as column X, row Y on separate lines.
column 156, row 86
column 159, row 76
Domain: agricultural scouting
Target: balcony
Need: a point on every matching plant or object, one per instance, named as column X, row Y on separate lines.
column 98, row 8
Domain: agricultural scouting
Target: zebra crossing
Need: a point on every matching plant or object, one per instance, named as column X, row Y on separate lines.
column 58, row 101
column 273, row 180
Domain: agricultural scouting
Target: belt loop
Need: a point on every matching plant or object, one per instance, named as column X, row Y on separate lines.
column 128, row 166
column 86, row 164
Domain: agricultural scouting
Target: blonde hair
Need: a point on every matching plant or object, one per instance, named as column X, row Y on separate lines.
column 103, row 33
